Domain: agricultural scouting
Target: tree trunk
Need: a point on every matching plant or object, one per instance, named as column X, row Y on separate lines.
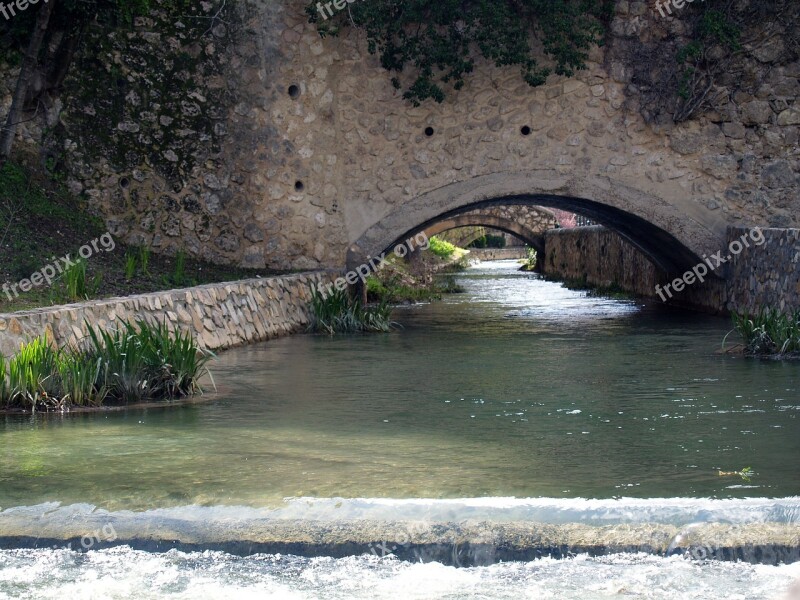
column 63, row 57
column 28, row 65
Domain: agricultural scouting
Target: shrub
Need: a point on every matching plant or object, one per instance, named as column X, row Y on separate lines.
column 530, row 262
column 130, row 266
column 144, row 259
column 441, row 248
column 77, row 285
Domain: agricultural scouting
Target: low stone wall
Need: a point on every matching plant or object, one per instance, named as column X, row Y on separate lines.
column 759, row 276
column 219, row 315
column 601, row 258
column 516, row 252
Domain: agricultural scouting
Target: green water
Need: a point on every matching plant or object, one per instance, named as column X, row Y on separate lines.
column 516, row 388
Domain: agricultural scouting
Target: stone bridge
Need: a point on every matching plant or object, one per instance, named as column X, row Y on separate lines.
column 287, row 150
column 528, row 223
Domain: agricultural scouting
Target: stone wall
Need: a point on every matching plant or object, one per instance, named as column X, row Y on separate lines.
column 764, row 275
column 599, row 257
column 220, row 315
column 248, row 139
column 767, row 275
column 515, row 252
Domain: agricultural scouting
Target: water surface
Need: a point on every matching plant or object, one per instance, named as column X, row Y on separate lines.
column 518, row 400
column 516, row 388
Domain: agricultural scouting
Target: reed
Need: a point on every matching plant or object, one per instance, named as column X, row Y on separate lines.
column 134, row 363
column 769, row 333
column 340, row 313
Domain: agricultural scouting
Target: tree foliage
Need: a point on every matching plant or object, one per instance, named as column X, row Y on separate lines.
column 438, row 41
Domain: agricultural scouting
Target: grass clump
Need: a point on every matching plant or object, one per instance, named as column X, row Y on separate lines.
column 77, row 285
column 338, row 312
column 132, row 364
column 769, row 333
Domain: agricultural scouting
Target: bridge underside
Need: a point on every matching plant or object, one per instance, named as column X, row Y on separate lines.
column 531, row 237
column 662, row 248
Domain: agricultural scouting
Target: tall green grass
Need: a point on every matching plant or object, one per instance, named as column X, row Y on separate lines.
column 769, row 333
column 77, row 285
column 134, row 363
column 339, row 313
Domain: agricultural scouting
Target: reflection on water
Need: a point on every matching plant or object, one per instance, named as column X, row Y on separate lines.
column 516, row 388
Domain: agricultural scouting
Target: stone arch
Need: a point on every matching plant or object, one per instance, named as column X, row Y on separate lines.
column 671, row 234
column 530, row 236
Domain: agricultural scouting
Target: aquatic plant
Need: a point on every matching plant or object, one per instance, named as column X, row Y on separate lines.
column 769, row 333
column 80, row 373
column 33, row 373
column 338, row 312
column 130, row 364
column 143, row 361
column 746, row 474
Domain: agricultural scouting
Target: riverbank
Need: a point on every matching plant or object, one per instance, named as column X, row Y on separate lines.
column 44, row 229
column 219, row 315
column 422, row 277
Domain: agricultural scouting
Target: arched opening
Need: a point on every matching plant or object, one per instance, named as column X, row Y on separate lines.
column 531, row 237
column 672, row 241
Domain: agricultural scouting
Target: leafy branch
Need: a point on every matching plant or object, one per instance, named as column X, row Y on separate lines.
column 438, row 41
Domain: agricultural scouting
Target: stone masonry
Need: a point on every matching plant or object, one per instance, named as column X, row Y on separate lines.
column 220, row 315
column 249, row 139
column 759, row 277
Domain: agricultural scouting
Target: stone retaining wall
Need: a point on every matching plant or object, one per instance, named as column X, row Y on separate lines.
column 220, row 315
column 515, row 252
column 767, row 275
column 600, row 257
column 760, row 276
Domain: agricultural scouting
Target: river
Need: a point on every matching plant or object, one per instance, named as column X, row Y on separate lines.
column 517, row 401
